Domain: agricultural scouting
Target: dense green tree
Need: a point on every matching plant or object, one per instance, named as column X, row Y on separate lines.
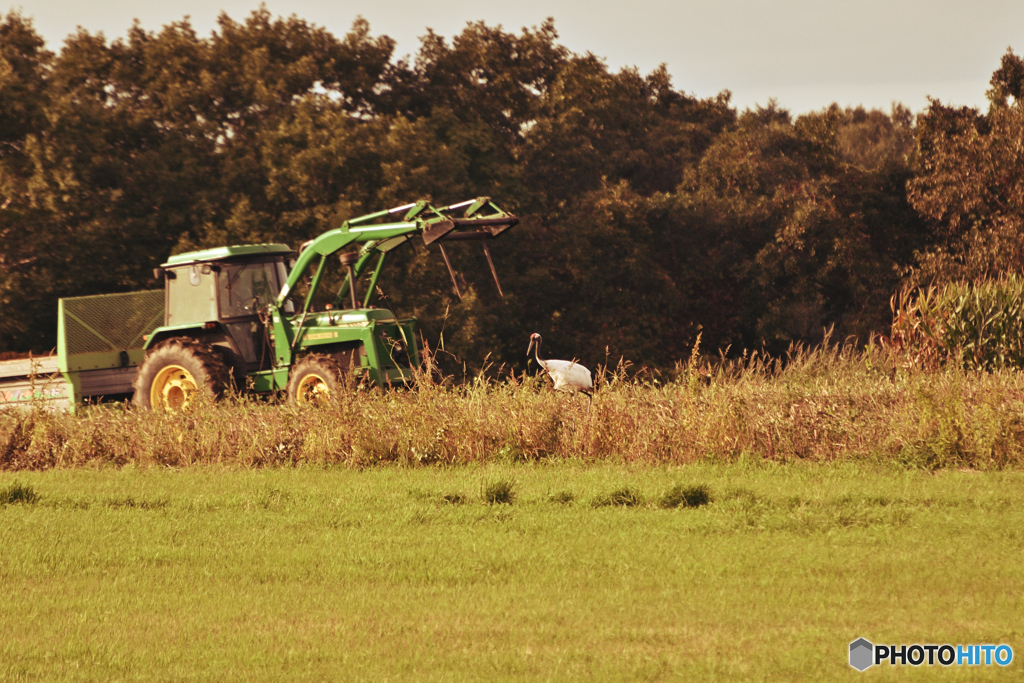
column 970, row 183
column 778, row 233
column 485, row 75
column 24, row 67
column 608, row 127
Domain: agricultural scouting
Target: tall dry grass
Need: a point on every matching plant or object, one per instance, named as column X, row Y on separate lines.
column 826, row 404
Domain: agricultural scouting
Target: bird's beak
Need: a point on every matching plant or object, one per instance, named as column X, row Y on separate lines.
column 529, row 348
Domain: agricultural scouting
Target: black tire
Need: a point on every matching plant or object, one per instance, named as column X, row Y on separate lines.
column 176, row 371
column 317, row 380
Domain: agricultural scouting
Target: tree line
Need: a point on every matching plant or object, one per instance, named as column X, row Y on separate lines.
column 649, row 216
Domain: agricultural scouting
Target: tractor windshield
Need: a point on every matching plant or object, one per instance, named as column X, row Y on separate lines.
column 246, row 287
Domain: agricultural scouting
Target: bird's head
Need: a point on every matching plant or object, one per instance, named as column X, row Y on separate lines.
column 534, row 339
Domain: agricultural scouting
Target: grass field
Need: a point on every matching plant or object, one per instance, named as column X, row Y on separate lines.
column 408, row 573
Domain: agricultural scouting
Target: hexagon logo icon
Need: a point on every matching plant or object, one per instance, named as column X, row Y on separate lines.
column 861, row 654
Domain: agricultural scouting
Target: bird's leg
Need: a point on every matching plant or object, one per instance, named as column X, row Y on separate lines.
column 575, row 413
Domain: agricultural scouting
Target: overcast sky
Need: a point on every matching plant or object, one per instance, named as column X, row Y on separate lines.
column 805, row 53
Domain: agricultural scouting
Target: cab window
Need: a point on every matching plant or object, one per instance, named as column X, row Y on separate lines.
column 246, row 288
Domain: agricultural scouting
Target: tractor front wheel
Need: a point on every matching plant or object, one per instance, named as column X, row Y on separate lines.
column 316, row 380
column 177, row 372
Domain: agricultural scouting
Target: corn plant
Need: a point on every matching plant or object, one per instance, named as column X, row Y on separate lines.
column 979, row 325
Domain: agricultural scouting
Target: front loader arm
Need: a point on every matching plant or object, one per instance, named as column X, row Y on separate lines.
column 377, row 234
column 474, row 219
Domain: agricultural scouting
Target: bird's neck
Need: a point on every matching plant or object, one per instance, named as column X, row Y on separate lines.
column 540, row 361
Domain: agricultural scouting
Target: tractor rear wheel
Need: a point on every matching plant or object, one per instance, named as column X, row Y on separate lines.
column 177, row 372
column 316, row 380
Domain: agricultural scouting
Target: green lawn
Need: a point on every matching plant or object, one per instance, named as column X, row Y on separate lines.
column 339, row 574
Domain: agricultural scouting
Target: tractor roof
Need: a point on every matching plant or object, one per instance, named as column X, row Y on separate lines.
column 227, row 253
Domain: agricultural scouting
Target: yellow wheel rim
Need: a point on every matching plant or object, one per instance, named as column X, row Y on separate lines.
column 173, row 388
column 313, row 391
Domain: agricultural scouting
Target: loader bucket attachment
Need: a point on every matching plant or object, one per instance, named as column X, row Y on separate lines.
column 437, row 231
column 484, row 230
column 487, row 253
column 481, row 221
column 451, row 273
column 380, row 232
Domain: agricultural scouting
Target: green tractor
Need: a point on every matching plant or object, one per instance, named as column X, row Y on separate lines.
column 270, row 319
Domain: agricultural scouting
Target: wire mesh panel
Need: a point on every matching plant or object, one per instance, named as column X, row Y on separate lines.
column 110, row 322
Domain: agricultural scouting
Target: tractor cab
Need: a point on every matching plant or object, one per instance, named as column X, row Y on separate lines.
column 216, row 295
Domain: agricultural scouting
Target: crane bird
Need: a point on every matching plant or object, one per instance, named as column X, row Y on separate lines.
column 568, row 375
